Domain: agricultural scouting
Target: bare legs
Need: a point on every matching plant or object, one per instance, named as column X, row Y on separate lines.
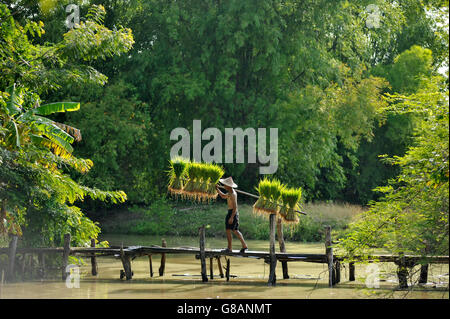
column 238, row 235
column 229, row 238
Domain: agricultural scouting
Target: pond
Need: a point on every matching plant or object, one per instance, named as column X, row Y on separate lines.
column 182, row 278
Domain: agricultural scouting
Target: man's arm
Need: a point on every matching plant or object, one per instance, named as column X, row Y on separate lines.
column 224, row 196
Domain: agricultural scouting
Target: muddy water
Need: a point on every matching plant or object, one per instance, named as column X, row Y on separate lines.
column 182, row 281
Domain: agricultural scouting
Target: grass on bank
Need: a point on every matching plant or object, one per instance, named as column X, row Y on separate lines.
column 183, row 219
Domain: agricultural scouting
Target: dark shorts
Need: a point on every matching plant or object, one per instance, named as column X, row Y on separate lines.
column 235, row 224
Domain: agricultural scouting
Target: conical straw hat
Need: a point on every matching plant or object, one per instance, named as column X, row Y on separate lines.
column 228, row 182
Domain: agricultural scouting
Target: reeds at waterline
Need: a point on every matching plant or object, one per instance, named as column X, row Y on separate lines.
column 290, row 199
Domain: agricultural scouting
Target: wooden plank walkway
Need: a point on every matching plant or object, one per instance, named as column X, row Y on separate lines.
column 128, row 253
column 137, row 251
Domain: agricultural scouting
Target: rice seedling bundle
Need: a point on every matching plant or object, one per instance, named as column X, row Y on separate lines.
column 269, row 194
column 214, row 173
column 177, row 174
column 208, row 176
column 200, row 181
column 290, row 198
column 192, row 172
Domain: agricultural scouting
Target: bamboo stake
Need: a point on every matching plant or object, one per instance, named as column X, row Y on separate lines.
column 280, row 236
column 41, row 265
column 12, row 257
column 351, row 271
column 211, row 272
column 202, row 254
column 219, row 265
column 65, row 255
column 273, row 259
column 151, row 265
column 329, row 253
column 162, row 267
column 94, row 267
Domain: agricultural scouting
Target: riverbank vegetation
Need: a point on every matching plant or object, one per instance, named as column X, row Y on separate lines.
column 163, row 219
column 359, row 96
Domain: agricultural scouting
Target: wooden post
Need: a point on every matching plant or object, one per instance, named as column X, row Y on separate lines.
column 402, row 272
column 24, row 264
column 273, row 259
column 329, row 253
column 41, row 261
column 219, row 264
column 65, row 256
column 151, row 265
column 202, row 254
column 163, row 259
column 227, row 270
column 126, row 262
column 31, row 266
column 94, row 268
column 211, row 274
column 337, row 266
column 280, row 236
column 423, row 279
column 351, row 271
column 12, row 257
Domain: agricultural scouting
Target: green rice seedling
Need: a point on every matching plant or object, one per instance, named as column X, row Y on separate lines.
column 202, row 178
column 291, row 202
column 177, row 174
column 199, row 180
column 268, row 190
column 191, row 176
column 215, row 172
column 275, row 192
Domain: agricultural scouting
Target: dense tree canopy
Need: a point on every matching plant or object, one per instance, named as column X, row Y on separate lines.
column 412, row 215
column 241, row 63
column 343, row 81
column 37, row 193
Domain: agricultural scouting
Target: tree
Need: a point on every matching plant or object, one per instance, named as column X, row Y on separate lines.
column 411, row 70
column 412, row 215
column 36, row 191
column 118, row 141
column 235, row 64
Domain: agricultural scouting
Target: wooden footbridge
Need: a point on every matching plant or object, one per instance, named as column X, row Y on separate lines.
column 22, row 260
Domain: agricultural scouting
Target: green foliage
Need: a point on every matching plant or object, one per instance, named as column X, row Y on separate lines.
column 164, row 218
column 302, row 66
column 410, row 72
column 115, row 137
column 37, row 195
column 337, row 116
column 312, row 68
column 412, row 215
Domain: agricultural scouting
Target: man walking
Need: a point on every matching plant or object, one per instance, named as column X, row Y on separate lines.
column 232, row 218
